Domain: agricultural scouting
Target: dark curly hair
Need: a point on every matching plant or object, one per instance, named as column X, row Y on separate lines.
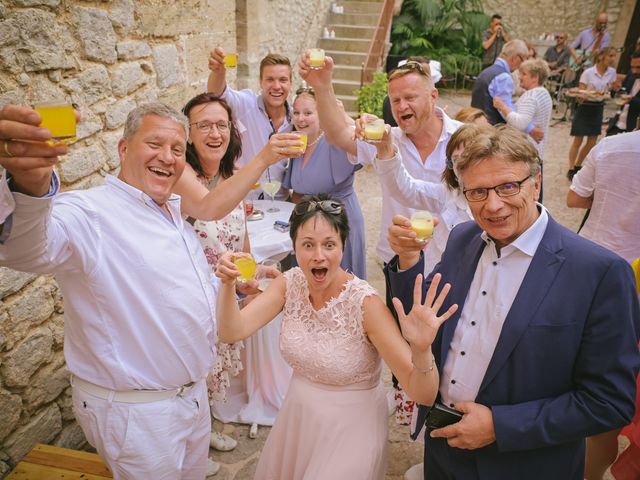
column 234, row 150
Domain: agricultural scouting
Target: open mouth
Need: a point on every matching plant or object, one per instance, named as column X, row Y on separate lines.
column 319, row 274
column 160, row 172
column 406, row 117
column 214, row 144
column 498, row 219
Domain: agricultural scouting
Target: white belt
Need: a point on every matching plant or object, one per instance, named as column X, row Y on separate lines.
column 130, row 396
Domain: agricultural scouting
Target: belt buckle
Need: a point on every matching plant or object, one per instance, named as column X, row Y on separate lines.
column 184, row 387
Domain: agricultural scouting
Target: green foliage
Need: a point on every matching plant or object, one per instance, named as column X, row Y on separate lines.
column 371, row 96
column 439, row 28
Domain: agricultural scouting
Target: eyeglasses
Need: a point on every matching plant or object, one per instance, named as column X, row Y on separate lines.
column 503, row 190
column 206, row 127
column 327, row 206
column 411, row 65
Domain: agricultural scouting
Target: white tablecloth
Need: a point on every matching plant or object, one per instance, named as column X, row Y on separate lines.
column 266, row 241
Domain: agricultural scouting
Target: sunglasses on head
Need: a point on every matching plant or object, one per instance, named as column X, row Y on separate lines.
column 308, row 90
column 327, row 206
column 411, row 65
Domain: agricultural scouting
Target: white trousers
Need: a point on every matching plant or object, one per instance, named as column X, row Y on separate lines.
column 168, row 439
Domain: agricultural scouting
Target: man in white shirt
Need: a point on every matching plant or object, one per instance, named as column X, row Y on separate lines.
column 609, row 184
column 543, row 350
column 257, row 115
column 139, row 298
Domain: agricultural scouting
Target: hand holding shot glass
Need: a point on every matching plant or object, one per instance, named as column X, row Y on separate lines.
column 231, row 60
column 267, row 270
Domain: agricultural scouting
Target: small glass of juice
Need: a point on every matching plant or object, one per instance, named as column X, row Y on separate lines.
column 303, row 138
column 60, row 119
column 247, row 268
column 422, row 224
column 231, row 60
column 374, row 130
column 316, row 57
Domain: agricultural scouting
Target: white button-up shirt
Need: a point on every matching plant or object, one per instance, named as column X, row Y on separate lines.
column 139, row 299
column 255, row 128
column 429, row 170
column 494, row 288
column 449, row 205
column 611, row 173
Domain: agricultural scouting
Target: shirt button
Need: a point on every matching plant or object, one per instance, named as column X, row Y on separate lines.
column 452, row 405
column 453, row 382
column 473, row 322
column 461, row 353
column 495, row 263
column 484, row 293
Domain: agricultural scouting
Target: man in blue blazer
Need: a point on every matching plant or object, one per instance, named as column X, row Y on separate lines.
column 543, row 350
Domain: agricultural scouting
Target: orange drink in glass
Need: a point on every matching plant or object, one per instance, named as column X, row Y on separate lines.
column 316, row 57
column 374, row 130
column 246, row 266
column 422, row 224
column 60, row 119
column 231, row 60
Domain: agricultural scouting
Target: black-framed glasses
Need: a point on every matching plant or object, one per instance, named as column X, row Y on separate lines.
column 327, row 206
column 411, row 65
column 503, row 190
column 206, row 127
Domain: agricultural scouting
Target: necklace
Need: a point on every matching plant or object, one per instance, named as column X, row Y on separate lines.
column 316, row 140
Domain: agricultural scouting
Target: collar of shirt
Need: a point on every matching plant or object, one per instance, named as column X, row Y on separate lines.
column 449, row 127
column 263, row 109
column 528, row 240
column 503, row 63
column 173, row 202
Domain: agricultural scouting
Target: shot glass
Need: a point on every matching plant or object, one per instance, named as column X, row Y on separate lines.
column 247, row 268
column 263, row 280
column 248, row 207
column 60, row 119
column 231, row 60
column 374, row 130
column 316, row 57
column 422, row 224
column 304, row 139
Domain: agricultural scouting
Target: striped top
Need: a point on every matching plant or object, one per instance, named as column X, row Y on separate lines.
column 534, row 106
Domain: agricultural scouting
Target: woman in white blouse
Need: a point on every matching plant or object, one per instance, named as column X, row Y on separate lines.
column 534, row 106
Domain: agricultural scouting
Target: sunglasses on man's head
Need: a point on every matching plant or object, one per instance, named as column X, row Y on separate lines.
column 412, row 65
column 327, row 206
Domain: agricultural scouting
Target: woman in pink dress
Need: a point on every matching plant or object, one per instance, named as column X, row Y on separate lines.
column 333, row 423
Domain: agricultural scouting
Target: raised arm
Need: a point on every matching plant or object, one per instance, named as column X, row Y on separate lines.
column 200, row 203
column 413, row 363
column 332, row 120
column 218, row 77
column 235, row 324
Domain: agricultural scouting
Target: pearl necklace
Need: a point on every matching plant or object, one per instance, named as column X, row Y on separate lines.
column 316, row 140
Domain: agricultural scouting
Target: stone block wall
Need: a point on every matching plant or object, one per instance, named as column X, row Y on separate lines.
column 106, row 57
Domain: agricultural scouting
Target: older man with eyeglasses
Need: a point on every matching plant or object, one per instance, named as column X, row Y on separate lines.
column 543, row 350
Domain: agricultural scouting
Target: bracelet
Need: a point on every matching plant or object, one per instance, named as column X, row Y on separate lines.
column 426, row 370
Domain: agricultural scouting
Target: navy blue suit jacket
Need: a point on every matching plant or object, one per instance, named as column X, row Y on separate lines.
column 565, row 363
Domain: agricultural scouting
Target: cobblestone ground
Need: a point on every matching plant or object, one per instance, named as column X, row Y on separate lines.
column 240, row 463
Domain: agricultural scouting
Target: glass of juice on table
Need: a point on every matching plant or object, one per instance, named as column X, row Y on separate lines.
column 247, row 268
column 231, row 60
column 60, row 119
column 374, row 130
column 316, row 58
column 271, row 187
column 422, row 224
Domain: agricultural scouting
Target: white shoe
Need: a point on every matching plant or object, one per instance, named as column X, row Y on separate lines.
column 212, row 467
column 221, row 442
column 415, row 473
column 253, row 431
column 391, row 401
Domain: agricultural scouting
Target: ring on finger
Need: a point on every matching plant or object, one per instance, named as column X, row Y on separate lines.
column 6, row 149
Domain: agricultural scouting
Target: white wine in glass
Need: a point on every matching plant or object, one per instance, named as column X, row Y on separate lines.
column 271, row 188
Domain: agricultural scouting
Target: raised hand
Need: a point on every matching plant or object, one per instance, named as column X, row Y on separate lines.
column 404, row 241
column 216, row 60
column 421, row 325
column 227, row 271
column 281, row 146
column 23, row 151
column 315, row 78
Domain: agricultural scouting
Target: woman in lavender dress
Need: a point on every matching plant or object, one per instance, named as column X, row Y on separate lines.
column 325, row 168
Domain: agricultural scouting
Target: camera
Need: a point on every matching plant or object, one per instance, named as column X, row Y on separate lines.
column 440, row 416
column 603, row 27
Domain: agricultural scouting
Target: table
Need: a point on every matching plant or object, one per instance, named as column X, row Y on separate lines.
column 266, row 241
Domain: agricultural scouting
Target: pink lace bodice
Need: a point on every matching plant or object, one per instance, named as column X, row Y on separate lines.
column 330, row 345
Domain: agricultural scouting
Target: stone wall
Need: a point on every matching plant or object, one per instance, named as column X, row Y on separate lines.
column 527, row 19
column 106, row 57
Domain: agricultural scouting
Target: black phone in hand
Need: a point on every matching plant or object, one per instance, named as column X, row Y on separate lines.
column 440, row 416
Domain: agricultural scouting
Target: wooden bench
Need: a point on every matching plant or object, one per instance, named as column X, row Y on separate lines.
column 49, row 462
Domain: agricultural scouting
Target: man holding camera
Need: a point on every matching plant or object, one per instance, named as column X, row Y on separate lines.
column 590, row 40
column 493, row 39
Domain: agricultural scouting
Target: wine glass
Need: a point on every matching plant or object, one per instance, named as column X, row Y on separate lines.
column 271, row 187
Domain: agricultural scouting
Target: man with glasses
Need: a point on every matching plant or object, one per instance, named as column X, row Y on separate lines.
column 558, row 56
column 543, row 350
column 496, row 81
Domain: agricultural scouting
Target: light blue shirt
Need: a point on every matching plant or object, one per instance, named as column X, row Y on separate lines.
column 586, row 40
column 502, row 86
